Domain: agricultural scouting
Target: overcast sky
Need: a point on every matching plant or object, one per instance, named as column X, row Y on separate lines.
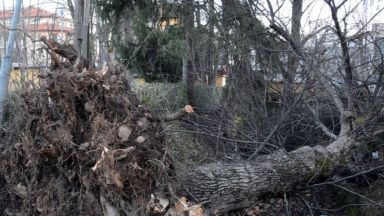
column 314, row 10
column 317, row 13
column 51, row 5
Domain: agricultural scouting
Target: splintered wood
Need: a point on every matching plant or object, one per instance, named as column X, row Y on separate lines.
column 159, row 205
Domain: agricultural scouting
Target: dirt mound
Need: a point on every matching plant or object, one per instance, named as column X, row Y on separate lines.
column 86, row 146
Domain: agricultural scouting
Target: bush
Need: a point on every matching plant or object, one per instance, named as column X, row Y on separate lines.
column 161, row 98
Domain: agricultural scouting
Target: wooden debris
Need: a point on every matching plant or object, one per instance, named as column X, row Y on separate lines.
column 20, row 190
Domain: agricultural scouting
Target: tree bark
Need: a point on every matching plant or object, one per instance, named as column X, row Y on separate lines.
column 228, row 186
column 6, row 63
column 126, row 26
column 67, row 52
column 85, row 29
column 293, row 60
column 347, row 64
column 211, row 73
column 103, row 31
column 188, row 72
column 78, row 23
column 71, row 9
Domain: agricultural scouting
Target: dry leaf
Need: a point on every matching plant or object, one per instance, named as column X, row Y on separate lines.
column 20, row 190
column 117, row 180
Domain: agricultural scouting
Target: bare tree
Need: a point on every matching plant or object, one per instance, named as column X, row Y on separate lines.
column 229, row 186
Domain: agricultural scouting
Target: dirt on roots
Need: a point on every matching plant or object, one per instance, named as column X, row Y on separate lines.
column 83, row 146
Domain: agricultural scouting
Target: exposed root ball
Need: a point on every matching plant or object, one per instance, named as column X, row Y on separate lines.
column 86, row 148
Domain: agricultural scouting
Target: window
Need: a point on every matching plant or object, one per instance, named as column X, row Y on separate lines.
column 36, row 20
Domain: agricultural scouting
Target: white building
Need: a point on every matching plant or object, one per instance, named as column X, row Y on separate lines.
column 34, row 22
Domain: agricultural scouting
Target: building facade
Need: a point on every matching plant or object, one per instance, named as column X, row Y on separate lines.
column 29, row 55
column 378, row 34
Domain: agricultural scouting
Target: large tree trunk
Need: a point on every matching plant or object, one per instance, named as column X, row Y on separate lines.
column 222, row 186
column 126, row 26
column 103, row 31
column 228, row 186
column 347, row 63
column 211, row 73
column 85, row 29
column 188, row 71
column 71, row 8
column 293, row 60
column 78, row 23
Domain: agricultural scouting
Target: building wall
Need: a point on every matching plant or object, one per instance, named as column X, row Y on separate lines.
column 378, row 33
column 30, row 77
column 378, row 29
column 27, row 52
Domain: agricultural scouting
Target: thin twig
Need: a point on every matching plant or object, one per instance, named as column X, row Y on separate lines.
column 345, row 178
column 359, row 195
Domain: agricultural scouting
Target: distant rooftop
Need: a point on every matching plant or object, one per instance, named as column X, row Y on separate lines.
column 38, row 13
column 29, row 12
column 47, row 27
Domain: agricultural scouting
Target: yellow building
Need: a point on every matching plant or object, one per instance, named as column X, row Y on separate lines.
column 30, row 76
column 164, row 23
column 221, row 80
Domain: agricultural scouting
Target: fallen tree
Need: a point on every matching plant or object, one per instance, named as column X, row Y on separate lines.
column 229, row 186
column 86, row 146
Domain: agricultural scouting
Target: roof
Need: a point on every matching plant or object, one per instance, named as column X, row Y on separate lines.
column 47, row 27
column 32, row 11
column 35, row 12
column 42, row 27
column 29, row 12
column 6, row 14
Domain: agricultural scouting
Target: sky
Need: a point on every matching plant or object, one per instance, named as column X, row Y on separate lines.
column 317, row 13
column 50, row 5
column 315, row 10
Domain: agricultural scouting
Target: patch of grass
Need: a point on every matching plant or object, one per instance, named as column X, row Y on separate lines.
column 165, row 98
column 161, row 98
column 184, row 149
